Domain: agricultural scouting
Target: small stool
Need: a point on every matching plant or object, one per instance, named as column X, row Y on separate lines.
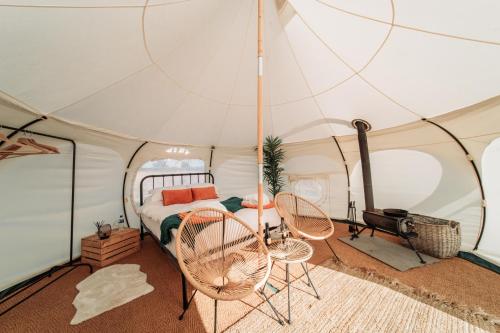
column 292, row 251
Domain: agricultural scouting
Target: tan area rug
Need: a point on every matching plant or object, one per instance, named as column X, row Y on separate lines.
column 390, row 253
column 107, row 289
column 351, row 304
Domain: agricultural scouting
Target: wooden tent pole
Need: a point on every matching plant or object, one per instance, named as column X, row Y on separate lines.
column 260, row 132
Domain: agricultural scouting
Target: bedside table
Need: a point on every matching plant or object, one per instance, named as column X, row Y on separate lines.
column 103, row 252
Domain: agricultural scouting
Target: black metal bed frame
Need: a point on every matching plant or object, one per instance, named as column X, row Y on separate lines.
column 12, row 291
column 183, row 179
column 207, row 177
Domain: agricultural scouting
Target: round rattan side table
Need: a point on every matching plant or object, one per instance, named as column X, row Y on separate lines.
column 292, row 251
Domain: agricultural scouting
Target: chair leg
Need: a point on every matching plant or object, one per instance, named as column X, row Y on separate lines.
column 187, row 306
column 215, row 316
column 422, row 261
column 272, row 306
column 288, row 288
column 306, row 270
column 304, row 267
column 184, row 292
column 333, row 252
column 273, row 288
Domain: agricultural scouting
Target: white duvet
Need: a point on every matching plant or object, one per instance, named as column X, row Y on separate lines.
column 153, row 213
column 154, row 210
column 249, row 216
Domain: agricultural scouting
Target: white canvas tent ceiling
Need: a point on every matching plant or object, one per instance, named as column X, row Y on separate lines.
column 185, row 71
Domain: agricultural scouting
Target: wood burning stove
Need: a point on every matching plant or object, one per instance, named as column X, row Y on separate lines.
column 399, row 226
column 391, row 221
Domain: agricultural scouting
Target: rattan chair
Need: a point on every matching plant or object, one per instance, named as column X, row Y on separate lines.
column 222, row 257
column 304, row 219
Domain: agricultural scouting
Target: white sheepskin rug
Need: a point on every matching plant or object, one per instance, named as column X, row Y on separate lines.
column 107, row 289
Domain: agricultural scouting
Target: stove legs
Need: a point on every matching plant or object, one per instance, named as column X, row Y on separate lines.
column 422, row 261
column 356, row 233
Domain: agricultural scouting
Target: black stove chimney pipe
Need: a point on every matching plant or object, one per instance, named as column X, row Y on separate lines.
column 362, row 127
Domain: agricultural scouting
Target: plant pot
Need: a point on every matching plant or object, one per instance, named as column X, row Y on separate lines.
column 104, row 231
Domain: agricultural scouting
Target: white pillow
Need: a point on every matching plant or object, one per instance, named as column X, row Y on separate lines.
column 254, row 198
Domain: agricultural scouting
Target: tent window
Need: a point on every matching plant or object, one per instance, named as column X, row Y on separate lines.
column 165, row 166
column 310, row 188
column 172, row 166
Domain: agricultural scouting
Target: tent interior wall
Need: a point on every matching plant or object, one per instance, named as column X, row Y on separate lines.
column 410, row 155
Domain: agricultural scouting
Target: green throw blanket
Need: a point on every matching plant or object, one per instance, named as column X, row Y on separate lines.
column 232, row 204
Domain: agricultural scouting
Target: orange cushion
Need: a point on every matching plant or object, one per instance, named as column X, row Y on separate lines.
column 246, row 204
column 204, row 193
column 182, row 196
column 198, row 219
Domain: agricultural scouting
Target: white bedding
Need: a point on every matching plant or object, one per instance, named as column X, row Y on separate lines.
column 156, row 211
column 153, row 213
column 249, row 216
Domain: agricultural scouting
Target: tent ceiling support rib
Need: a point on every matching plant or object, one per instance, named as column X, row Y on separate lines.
column 25, row 126
column 476, row 172
column 125, row 180
column 346, row 172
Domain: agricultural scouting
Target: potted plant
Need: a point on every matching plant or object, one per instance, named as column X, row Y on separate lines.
column 103, row 230
column 274, row 155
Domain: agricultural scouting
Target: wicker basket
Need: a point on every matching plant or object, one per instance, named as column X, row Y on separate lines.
column 437, row 237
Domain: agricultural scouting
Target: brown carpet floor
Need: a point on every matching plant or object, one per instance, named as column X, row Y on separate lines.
column 51, row 310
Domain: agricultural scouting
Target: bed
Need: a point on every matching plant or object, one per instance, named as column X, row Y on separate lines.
column 152, row 211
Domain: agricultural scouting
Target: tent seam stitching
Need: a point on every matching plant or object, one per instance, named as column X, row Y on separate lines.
column 408, row 27
column 95, row 7
column 237, row 74
column 102, row 89
column 356, row 72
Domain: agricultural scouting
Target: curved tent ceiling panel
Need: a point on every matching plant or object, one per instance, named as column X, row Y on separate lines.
column 171, row 65
column 475, row 20
column 52, row 58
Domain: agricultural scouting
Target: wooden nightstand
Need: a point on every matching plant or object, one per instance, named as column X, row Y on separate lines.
column 103, row 252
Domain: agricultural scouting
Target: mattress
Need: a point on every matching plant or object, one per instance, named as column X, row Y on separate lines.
column 153, row 214
column 154, row 226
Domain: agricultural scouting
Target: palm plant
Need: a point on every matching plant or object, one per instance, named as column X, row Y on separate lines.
column 274, row 155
